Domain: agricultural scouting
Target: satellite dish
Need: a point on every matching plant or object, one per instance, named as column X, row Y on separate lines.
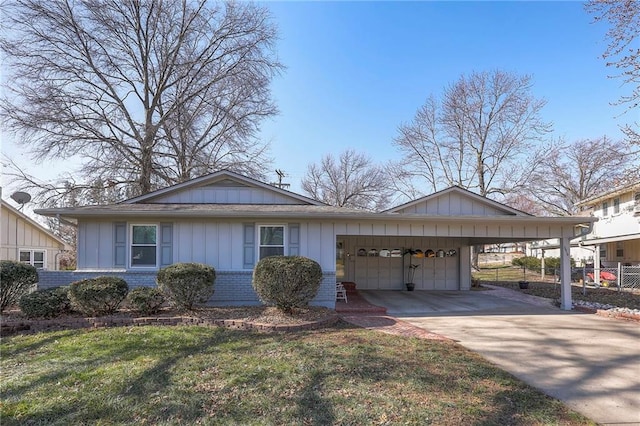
column 21, row 197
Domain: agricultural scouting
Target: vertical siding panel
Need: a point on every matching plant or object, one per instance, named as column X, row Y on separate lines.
column 105, row 251
column 211, row 245
column 82, row 246
column 185, row 242
column 237, row 245
column 225, row 246
column 314, row 241
column 198, row 243
column 455, row 204
column 327, row 259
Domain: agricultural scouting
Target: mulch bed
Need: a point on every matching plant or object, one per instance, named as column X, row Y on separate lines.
column 257, row 318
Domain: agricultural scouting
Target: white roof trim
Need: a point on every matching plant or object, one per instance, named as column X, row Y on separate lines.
column 604, row 240
column 217, row 176
column 631, row 187
column 464, row 192
column 6, row 205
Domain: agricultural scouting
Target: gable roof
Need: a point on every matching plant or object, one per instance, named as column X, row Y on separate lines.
column 464, row 194
column 39, row 227
column 222, row 177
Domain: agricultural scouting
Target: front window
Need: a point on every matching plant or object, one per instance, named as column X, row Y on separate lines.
column 271, row 240
column 603, row 252
column 33, row 257
column 619, row 249
column 144, row 245
column 616, row 205
column 605, row 209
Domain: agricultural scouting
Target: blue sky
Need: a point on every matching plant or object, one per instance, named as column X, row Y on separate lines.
column 357, row 70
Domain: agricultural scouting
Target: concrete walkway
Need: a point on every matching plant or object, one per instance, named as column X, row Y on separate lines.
column 589, row 362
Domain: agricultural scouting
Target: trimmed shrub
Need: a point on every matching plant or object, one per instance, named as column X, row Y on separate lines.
column 15, row 280
column 287, row 282
column 528, row 262
column 98, row 296
column 186, row 284
column 146, row 300
column 48, row 303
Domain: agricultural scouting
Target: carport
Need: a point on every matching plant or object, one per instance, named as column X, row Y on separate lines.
column 445, row 224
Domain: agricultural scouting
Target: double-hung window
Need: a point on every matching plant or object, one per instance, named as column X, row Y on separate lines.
column 616, row 205
column 144, row 245
column 271, row 238
column 605, row 209
column 34, row 258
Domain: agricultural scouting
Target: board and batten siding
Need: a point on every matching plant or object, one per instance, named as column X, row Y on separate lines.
column 220, row 244
column 453, row 204
column 224, row 244
column 96, row 245
column 17, row 233
column 217, row 194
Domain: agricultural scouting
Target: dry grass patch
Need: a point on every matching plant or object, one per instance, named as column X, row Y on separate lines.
column 196, row 375
column 610, row 296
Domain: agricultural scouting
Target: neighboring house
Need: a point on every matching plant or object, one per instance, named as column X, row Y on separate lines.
column 615, row 237
column 230, row 221
column 24, row 239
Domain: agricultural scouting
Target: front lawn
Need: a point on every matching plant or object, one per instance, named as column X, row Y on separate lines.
column 198, row 375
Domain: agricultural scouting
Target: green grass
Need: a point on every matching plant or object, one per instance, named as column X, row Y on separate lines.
column 196, row 375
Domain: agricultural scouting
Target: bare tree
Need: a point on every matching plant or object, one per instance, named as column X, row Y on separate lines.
column 478, row 135
column 572, row 172
column 350, row 181
column 623, row 50
column 148, row 93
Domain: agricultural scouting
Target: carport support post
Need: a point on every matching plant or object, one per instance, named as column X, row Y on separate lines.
column 565, row 274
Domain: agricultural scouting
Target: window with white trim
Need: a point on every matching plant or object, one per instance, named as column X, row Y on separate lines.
column 144, row 246
column 271, row 240
column 605, row 209
column 616, row 205
column 34, row 258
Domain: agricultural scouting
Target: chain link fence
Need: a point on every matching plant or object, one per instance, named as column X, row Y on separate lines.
column 622, row 277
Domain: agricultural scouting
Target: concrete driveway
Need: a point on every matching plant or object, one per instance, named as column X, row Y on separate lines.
column 589, row 362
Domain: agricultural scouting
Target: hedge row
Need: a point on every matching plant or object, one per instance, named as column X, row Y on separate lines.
column 287, row 282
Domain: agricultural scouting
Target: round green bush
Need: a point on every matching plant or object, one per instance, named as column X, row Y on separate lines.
column 15, row 280
column 48, row 303
column 146, row 300
column 186, row 284
column 98, row 296
column 287, row 282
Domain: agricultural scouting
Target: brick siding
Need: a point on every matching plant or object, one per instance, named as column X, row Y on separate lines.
column 232, row 288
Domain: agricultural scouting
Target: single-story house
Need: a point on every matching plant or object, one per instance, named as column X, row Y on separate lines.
column 25, row 240
column 230, row 221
